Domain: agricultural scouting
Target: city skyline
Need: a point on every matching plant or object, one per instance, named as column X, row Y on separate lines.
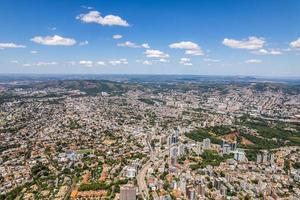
column 257, row 38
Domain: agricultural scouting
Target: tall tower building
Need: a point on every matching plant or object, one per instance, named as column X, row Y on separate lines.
column 206, row 143
column 127, row 192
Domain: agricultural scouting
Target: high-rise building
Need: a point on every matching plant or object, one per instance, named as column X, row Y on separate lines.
column 199, row 149
column 190, row 193
column 231, row 145
column 201, row 189
column 173, row 151
column 223, row 190
column 182, row 186
column 206, row 143
column 173, row 138
column 226, row 149
column 127, row 192
column 239, row 155
column 258, row 158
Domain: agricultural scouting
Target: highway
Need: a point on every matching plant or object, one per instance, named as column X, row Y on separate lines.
column 142, row 185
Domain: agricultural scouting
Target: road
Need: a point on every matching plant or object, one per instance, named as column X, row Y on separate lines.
column 142, row 185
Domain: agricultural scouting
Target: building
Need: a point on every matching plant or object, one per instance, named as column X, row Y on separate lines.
column 191, row 193
column 127, row 192
column 226, row 149
column 206, row 143
column 174, row 151
column 264, row 157
column 199, row 149
column 173, row 138
column 130, row 172
column 239, row 155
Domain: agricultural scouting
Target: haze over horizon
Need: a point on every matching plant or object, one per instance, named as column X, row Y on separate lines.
column 249, row 38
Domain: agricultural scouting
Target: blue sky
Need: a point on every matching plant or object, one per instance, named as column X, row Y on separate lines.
column 212, row 37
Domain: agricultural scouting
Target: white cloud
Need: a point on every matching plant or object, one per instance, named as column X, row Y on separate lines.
column 133, row 45
column 211, row 60
column 190, row 48
column 147, row 62
column 10, row 46
column 33, row 52
column 251, row 43
column 128, row 44
column 86, row 63
column 100, row 63
column 295, row 44
column 267, row 52
column 198, row 52
column 45, row 63
column 14, row 61
column 162, row 60
column 151, row 53
column 116, row 37
column 83, row 43
column 87, row 7
column 40, row 64
column 253, row 61
column 185, row 61
column 122, row 61
column 184, row 45
column 145, row 45
column 55, row 40
column 108, row 20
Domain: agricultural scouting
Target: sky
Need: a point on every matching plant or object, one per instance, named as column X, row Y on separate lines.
column 199, row 37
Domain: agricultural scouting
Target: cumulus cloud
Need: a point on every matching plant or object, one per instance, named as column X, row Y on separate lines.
column 87, row 7
column 145, row 45
column 14, row 61
column 151, row 53
column 185, row 61
column 267, row 52
column 86, row 63
column 117, row 36
column 83, row 43
column 108, row 20
column 128, row 44
column 251, row 43
column 190, row 48
column 253, row 61
column 162, row 60
column 295, row 44
column 55, row 40
column 133, row 45
column 147, row 62
column 33, row 52
column 40, row 64
column 11, row 46
column 46, row 63
column 211, row 60
column 122, row 61
column 101, row 63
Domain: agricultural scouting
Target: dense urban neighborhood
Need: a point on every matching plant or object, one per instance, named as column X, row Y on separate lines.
column 157, row 140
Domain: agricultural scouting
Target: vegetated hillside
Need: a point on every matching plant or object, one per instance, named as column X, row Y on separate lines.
column 88, row 86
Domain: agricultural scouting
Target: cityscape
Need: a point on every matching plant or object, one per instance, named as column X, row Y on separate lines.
column 149, row 140
column 150, row 100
